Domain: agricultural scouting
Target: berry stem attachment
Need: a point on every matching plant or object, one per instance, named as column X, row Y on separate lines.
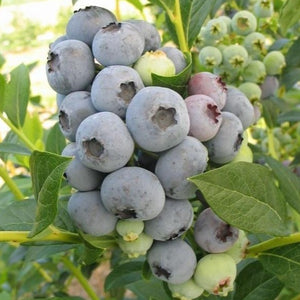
column 80, row 277
column 256, row 250
column 11, row 184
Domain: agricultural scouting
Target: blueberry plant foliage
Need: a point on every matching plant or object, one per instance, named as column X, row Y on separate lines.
column 256, row 192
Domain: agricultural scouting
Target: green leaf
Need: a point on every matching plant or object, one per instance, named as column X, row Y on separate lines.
column 246, row 196
column 18, row 216
column 33, row 128
column 289, row 15
column 16, row 95
column 2, row 92
column 270, row 112
column 176, row 82
column 290, row 76
column 292, row 57
column 5, row 295
column 55, row 141
column 289, row 116
column 194, row 13
column 13, row 149
column 2, row 59
column 90, row 256
column 284, row 262
column 149, row 289
column 254, row 282
column 165, row 4
column 289, row 183
column 63, row 220
column 100, row 242
column 123, row 274
column 46, row 170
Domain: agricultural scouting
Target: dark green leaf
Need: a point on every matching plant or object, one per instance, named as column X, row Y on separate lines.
column 289, row 116
column 278, row 44
column 165, row 4
column 63, row 220
column 146, row 271
column 16, row 95
column 90, row 256
column 246, row 196
column 46, row 170
column 124, row 274
column 13, row 149
column 292, row 56
column 290, row 76
column 2, row 92
column 149, row 289
column 253, row 283
column 289, row 15
column 33, row 128
column 55, row 141
column 289, row 183
column 284, row 262
column 100, row 242
column 177, row 82
column 193, row 15
column 18, row 216
column 270, row 112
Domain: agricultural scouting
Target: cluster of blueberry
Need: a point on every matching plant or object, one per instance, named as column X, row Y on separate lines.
column 134, row 145
column 234, row 49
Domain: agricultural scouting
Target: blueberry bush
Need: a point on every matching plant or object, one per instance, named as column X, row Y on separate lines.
column 174, row 156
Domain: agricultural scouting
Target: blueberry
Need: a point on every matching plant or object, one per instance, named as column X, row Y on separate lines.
column 185, row 291
column 58, row 40
column 205, row 117
column 227, row 74
column 156, row 62
column 59, row 99
column 227, row 21
column 118, row 44
column 210, row 56
column 129, row 229
column 187, row 159
column 243, row 22
column 263, row 8
column 224, row 146
column 104, row 142
column 213, row 234
column 89, row 214
column 133, row 193
column 274, row 62
column 269, row 87
column 85, row 23
column 238, row 104
column 137, row 247
column 75, row 107
column 215, row 273
column 172, row 261
column 251, row 90
column 78, row 175
column 255, row 44
column 114, row 87
column 176, row 56
column 70, row 67
column 208, row 84
column 235, row 57
column 174, row 220
column 157, row 118
column 238, row 250
column 150, row 33
column 255, row 71
column 215, row 29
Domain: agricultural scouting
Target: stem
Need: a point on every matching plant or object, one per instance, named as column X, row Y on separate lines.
column 81, row 279
column 19, row 133
column 179, row 27
column 42, row 272
column 117, row 10
column 271, row 144
column 22, row 237
column 256, row 250
column 11, row 184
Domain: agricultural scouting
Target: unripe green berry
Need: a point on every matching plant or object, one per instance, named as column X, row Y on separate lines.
column 255, row 72
column 227, row 74
column 137, row 247
column 263, row 8
column 244, row 154
column 216, row 273
column 210, row 56
column 243, row 22
column 238, row 250
column 129, row 229
column 215, row 29
column 155, row 62
column 274, row 62
column 251, row 90
column 235, row 57
column 187, row 290
column 255, row 43
column 227, row 21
